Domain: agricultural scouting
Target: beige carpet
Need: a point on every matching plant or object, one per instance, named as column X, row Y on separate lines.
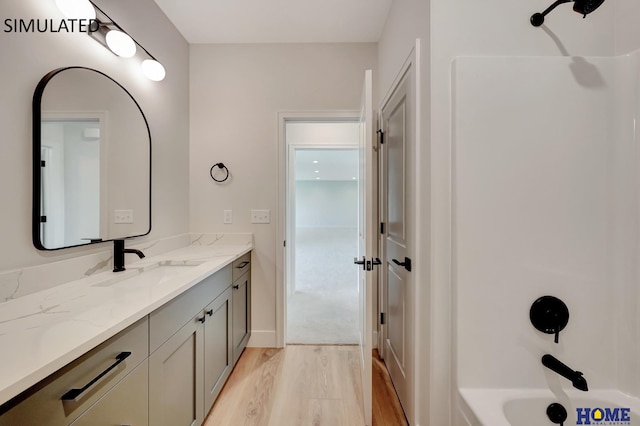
column 324, row 309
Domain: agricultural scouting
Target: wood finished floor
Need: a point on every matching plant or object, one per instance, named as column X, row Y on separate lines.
column 303, row 385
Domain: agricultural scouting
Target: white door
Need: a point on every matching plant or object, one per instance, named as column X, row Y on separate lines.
column 366, row 239
column 396, row 283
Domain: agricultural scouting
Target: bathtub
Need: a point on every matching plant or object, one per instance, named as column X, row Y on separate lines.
column 527, row 407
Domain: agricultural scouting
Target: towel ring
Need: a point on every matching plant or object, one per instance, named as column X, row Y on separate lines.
column 221, row 166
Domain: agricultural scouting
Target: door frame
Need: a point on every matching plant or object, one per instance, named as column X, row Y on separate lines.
column 283, row 254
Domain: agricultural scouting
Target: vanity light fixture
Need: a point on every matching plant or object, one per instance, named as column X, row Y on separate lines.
column 121, row 43
column 112, row 35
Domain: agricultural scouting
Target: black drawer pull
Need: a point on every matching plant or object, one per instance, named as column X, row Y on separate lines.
column 236, row 287
column 73, row 394
column 243, row 264
column 210, row 312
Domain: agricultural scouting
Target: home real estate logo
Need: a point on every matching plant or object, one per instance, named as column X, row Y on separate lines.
column 603, row 416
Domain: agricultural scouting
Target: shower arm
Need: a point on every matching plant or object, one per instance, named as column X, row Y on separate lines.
column 538, row 18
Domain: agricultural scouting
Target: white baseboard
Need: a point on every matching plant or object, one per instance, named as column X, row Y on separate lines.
column 262, row 339
column 375, row 339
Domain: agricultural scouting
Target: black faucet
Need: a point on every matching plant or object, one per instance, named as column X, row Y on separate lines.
column 118, row 255
column 576, row 378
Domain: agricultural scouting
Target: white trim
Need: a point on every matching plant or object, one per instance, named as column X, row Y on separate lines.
column 281, row 199
column 262, row 339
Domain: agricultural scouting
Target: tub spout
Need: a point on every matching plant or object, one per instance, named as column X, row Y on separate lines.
column 576, row 378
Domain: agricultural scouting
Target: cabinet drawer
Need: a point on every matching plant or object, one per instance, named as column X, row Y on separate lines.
column 241, row 265
column 96, row 372
column 125, row 404
column 165, row 321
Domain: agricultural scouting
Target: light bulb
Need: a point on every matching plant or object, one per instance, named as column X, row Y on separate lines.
column 76, row 9
column 153, row 70
column 121, row 44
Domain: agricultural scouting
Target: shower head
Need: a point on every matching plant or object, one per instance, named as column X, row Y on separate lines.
column 583, row 7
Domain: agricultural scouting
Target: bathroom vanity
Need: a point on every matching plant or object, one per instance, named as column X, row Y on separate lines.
column 149, row 346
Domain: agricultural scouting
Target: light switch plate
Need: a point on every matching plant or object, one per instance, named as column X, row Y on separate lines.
column 123, row 216
column 260, row 216
column 228, row 216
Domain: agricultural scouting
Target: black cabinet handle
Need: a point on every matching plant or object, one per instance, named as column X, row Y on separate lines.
column 202, row 320
column 406, row 264
column 236, row 287
column 210, row 312
column 73, row 394
column 242, row 265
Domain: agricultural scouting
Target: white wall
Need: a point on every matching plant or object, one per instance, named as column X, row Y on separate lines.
column 28, row 56
column 327, row 204
column 627, row 30
column 236, row 94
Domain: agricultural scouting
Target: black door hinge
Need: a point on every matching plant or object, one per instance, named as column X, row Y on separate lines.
column 380, row 136
column 382, row 318
column 43, row 219
column 43, row 163
column 284, row 243
column 382, row 227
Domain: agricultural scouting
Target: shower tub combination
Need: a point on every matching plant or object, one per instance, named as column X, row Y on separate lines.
column 528, row 407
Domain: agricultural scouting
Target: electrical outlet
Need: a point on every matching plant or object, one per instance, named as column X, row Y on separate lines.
column 228, row 216
column 260, row 216
column 123, row 216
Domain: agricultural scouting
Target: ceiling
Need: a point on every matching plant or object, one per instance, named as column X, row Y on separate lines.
column 326, row 164
column 278, row 21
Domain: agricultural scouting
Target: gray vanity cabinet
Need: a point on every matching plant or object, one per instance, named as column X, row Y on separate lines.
column 99, row 378
column 175, row 378
column 218, row 352
column 125, row 404
column 241, row 304
column 189, row 363
column 165, row 370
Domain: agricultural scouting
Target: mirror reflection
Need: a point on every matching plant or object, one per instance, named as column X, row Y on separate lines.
column 92, row 161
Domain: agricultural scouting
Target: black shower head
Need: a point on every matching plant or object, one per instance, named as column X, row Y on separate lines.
column 583, row 7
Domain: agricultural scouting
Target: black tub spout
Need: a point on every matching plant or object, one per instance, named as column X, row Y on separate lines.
column 576, row 378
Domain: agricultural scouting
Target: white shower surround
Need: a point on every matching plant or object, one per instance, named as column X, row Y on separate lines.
column 545, row 201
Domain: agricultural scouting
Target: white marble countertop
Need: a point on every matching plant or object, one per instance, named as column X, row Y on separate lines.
column 42, row 332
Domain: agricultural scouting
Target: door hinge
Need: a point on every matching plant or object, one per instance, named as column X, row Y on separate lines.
column 382, row 318
column 382, row 227
column 380, row 136
column 284, row 243
column 43, row 219
column 43, row 163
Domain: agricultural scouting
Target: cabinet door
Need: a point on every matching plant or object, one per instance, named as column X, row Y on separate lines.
column 125, row 404
column 241, row 314
column 175, row 378
column 218, row 354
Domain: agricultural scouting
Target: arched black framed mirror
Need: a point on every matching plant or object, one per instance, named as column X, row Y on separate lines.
column 91, row 161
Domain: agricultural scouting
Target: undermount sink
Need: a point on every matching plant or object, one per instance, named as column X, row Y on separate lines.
column 151, row 272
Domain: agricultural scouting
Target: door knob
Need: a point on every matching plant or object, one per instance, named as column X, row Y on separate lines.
column 406, row 264
column 362, row 262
